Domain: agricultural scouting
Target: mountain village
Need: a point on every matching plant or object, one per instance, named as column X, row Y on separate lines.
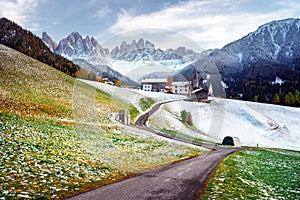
column 82, row 121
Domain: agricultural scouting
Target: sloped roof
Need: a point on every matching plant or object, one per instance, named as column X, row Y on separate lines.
column 181, row 83
column 199, row 90
column 154, row 80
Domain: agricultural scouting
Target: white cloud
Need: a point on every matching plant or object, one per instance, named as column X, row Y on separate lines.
column 20, row 11
column 161, row 38
column 103, row 12
column 212, row 24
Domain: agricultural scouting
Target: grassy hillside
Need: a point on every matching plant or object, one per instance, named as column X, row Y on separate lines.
column 57, row 138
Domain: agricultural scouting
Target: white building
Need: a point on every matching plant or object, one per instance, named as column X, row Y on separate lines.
column 164, row 85
column 154, row 85
column 182, row 87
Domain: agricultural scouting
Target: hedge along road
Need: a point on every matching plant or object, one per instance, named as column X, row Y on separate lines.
column 181, row 181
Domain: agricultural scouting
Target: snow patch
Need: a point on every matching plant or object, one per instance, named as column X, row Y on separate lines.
column 240, row 57
column 224, row 85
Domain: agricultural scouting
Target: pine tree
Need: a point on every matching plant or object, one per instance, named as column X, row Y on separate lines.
column 118, row 82
column 256, row 98
column 276, row 99
column 289, row 98
column 297, row 97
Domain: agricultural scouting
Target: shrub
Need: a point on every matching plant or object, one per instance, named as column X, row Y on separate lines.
column 186, row 117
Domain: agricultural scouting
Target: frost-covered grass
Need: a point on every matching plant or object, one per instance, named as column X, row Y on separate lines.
column 132, row 154
column 57, row 137
column 30, row 88
column 44, row 160
column 256, row 174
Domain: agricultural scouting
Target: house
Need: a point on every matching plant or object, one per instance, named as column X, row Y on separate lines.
column 107, row 81
column 168, row 88
column 182, row 87
column 166, row 85
column 200, row 94
column 154, row 85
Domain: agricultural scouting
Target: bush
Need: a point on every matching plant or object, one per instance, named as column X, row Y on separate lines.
column 186, row 117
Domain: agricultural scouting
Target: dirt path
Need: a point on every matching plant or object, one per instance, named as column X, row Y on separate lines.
column 180, row 181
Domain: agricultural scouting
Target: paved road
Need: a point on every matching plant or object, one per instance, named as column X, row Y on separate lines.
column 142, row 120
column 180, row 181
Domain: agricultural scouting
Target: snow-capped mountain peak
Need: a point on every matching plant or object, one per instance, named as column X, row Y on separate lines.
column 145, row 50
column 276, row 41
column 75, row 47
column 126, row 57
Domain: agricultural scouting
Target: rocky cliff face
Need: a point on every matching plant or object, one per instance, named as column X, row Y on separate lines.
column 48, row 41
column 123, row 58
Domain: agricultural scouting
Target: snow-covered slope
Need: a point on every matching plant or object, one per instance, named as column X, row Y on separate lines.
column 132, row 96
column 254, row 123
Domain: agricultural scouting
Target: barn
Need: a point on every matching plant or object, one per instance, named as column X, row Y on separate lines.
column 200, row 94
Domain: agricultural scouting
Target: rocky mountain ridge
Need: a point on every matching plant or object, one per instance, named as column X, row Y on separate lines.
column 49, row 41
column 276, row 41
column 74, row 46
column 249, row 65
column 139, row 54
column 145, row 50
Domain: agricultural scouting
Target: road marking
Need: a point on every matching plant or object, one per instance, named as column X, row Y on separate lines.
column 166, row 180
column 186, row 170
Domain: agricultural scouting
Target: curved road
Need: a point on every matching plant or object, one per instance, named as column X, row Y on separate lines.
column 180, row 181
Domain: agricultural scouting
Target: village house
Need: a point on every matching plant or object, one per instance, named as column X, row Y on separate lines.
column 108, row 81
column 154, row 85
column 200, row 94
column 166, row 85
column 182, row 87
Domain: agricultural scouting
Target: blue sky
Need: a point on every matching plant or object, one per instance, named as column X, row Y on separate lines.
column 207, row 23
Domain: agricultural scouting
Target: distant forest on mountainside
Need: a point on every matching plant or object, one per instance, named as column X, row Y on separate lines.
column 258, row 84
column 14, row 36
